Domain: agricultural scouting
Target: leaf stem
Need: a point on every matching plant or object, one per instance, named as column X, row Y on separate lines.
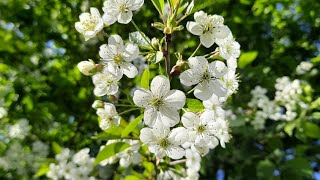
column 142, row 34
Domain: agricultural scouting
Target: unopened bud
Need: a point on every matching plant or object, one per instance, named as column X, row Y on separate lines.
column 155, row 42
column 178, row 68
column 190, row 7
column 158, row 25
column 87, row 68
column 97, row 104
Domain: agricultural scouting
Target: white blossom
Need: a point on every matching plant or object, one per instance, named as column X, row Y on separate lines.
column 208, row 27
column 162, row 141
column 87, row 67
column 120, row 10
column 105, row 82
column 90, row 23
column 304, row 67
column 109, row 116
column 131, row 154
column 118, row 57
column 161, row 104
column 193, row 159
column 229, row 49
column 205, row 76
column 19, row 130
column 3, row 112
column 214, row 104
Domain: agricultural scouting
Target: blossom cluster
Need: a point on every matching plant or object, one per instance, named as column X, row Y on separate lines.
column 285, row 105
column 167, row 131
column 19, row 158
column 72, row 166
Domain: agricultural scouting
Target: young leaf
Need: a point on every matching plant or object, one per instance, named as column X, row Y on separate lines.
column 312, row 130
column 133, row 124
column 201, row 4
column 145, row 79
column 194, row 104
column 111, row 133
column 137, row 38
column 42, row 171
column 56, row 148
column 247, row 58
column 110, row 150
column 159, row 5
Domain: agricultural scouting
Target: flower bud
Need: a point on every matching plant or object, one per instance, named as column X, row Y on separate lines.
column 97, row 104
column 190, row 7
column 87, row 68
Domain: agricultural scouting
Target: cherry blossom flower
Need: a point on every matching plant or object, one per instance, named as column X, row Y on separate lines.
column 105, row 82
column 108, row 115
column 161, row 104
column 118, row 56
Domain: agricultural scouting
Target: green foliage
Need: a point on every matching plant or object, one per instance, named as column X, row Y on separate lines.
column 145, row 79
column 110, row 150
column 194, row 104
column 131, row 126
column 246, row 58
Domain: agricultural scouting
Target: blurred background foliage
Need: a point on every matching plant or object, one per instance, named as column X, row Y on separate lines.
column 39, row 80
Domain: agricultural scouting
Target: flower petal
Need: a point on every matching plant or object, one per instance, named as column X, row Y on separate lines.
column 160, row 86
column 131, row 52
column 190, row 120
column 129, row 69
column 168, row 117
column 125, row 17
column 217, row 69
column 175, row 152
column 141, row 97
column 116, row 40
column 178, row 136
column 150, row 116
column 221, row 32
column 136, row 5
column 203, row 91
column 147, row 135
column 207, row 39
column 175, row 99
column 194, row 28
column 187, row 78
column 198, row 65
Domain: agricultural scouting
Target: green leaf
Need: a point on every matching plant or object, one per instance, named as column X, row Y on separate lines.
column 56, row 148
column 194, row 104
column 201, row 4
column 111, row 133
column 132, row 177
column 138, row 39
column 247, row 58
column 265, row 168
column 133, row 124
column 315, row 104
column 159, row 5
column 42, row 171
column 312, row 130
column 316, row 115
column 315, row 60
column 145, row 79
column 110, row 150
column 289, row 128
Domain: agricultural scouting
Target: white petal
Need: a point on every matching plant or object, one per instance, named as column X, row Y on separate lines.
column 198, row 64
column 169, row 117
column 136, row 5
column 200, row 16
column 190, row 120
column 194, row 28
column 125, row 17
column 129, row 69
column 114, row 69
column 136, row 158
column 108, row 19
column 147, row 135
column 115, row 40
column 187, row 78
column 232, row 63
column 99, row 91
column 175, row 152
column 217, row 69
column 203, row 91
column 207, row 117
column 207, row 39
column 131, row 52
column 221, row 32
column 214, row 142
column 218, row 88
column 95, row 12
column 150, row 116
column 178, row 136
column 125, row 161
column 175, row 99
column 79, row 27
column 160, row 86
column 202, row 148
column 161, row 131
column 112, row 89
column 84, row 16
column 212, row 103
column 141, row 97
